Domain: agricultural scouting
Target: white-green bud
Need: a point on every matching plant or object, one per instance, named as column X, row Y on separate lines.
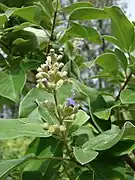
column 63, row 74
column 44, row 67
column 62, row 128
column 45, row 126
column 59, row 57
column 51, row 72
column 51, row 129
column 49, row 60
column 39, row 69
column 51, row 85
column 52, row 51
column 59, row 83
column 56, row 65
column 61, row 65
column 44, row 80
column 72, row 117
column 40, row 85
column 56, row 126
column 60, row 107
column 39, row 75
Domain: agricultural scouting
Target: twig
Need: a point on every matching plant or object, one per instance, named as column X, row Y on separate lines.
column 124, row 85
column 129, row 161
column 53, row 26
column 54, row 20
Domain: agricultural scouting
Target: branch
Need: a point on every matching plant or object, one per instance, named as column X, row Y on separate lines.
column 129, row 161
column 53, row 26
column 5, row 45
column 54, row 20
column 124, row 85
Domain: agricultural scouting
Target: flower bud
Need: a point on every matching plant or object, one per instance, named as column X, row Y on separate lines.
column 45, row 75
column 40, row 85
column 72, row 117
column 59, row 83
column 61, row 65
column 44, row 81
column 51, row 85
column 56, row 126
column 45, row 126
column 52, row 51
column 60, row 107
column 63, row 74
column 39, row 69
column 51, row 129
column 62, row 128
column 49, row 60
column 56, row 65
column 44, row 67
column 51, row 72
column 39, row 75
column 59, row 57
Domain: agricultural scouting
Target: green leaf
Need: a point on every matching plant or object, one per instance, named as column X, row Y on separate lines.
column 12, row 128
column 35, row 175
column 7, row 166
column 84, row 156
column 111, row 170
column 86, row 32
column 47, row 115
column 28, row 104
column 46, row 148
column 87, row 13
column 72, row 7
column 108, row 61
column 81, row 118
column 20, row 41
column 113, row 40
column 122, row 148
column 47, row 7
column 66, row 91
column 123, row 59
column 103, row 113
column 129, row 132
column 30, row 13
column 127, row 96
column 124, row 34
column 92, row 93
column 105, row 140
column 3, row 19
column 11, row 84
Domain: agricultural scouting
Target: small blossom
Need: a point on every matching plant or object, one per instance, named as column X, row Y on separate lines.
column 39, row 69
column 63, row 74
column 70, row 102
column 44, row 67
column 62, row 128
column 39, row 75
column 59, row 57
column 59, row 83
column 45, row 126
column 51, row 129
column 61, row 65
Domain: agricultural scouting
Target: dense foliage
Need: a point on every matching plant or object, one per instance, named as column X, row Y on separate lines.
column 79, row 131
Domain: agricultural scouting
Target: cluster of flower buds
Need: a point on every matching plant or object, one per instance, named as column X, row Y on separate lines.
column 67, row 113
column 50, row 75
column 55, row 128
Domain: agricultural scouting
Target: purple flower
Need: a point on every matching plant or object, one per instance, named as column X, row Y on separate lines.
column 70, row 102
